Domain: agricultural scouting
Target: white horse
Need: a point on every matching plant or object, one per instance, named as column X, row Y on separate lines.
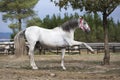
column 60, row 36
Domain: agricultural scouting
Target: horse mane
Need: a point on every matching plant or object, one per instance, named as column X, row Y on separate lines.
column 71, row 24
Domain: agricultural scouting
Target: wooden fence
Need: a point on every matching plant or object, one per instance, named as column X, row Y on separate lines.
column 8, row 47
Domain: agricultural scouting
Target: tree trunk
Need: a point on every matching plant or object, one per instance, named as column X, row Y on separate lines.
column 19, row 22
column 106, row 59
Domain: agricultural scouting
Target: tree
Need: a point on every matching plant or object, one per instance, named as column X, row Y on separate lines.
column 17, row 10
column 14, row 29
column 35, row 21
column 106, row 7
column 117, row 32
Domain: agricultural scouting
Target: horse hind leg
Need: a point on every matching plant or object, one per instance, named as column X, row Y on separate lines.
column 31, row 56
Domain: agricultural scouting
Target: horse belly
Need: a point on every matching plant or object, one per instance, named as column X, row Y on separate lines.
column 54, row 42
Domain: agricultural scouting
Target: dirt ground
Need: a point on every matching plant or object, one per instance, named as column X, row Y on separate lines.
column 79, row 67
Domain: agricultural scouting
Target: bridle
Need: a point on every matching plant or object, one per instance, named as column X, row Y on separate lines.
column 81, row 24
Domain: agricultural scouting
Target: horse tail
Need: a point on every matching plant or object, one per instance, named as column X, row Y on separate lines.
column 19, row 42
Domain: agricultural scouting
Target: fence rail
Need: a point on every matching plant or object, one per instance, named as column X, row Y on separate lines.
column 8, row 47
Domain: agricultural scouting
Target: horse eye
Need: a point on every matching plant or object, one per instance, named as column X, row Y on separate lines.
column 84, row 23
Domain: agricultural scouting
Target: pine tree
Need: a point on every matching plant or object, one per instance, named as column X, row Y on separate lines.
column 17, row 10
column 35, row 21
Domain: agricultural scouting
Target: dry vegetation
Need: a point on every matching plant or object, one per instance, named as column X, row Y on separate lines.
column 79, row 67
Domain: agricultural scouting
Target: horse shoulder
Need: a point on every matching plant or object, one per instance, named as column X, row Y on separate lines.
column 68, row 37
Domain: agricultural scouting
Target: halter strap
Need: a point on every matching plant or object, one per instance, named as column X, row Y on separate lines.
column 81, row 20
column 81, row 25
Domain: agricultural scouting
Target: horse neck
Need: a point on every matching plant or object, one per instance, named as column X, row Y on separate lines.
column 70, row 34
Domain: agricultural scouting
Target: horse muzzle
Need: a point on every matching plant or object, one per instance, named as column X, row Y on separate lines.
column 87, row 30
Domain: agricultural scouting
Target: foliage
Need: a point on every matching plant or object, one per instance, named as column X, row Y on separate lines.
column 16, row 11
column 89, row 5
column 35, row 21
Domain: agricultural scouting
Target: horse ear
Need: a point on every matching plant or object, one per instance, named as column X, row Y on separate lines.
column 81, row 17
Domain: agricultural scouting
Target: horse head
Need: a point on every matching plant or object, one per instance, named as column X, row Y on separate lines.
column 83, row 25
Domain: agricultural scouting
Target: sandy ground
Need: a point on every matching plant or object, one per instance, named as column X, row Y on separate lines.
column 79, row 67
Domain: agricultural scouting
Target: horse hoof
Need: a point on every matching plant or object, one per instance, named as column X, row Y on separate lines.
column 64, row 68
column 93, row 52
column 35, row 68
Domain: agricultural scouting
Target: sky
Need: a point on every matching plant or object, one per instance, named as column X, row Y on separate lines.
column 45, row 7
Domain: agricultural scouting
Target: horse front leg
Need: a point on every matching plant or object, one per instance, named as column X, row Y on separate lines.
column 82, row 43
column 31, row 57
column 62, row 59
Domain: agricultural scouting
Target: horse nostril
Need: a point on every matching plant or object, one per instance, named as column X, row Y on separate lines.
column 87, row 31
